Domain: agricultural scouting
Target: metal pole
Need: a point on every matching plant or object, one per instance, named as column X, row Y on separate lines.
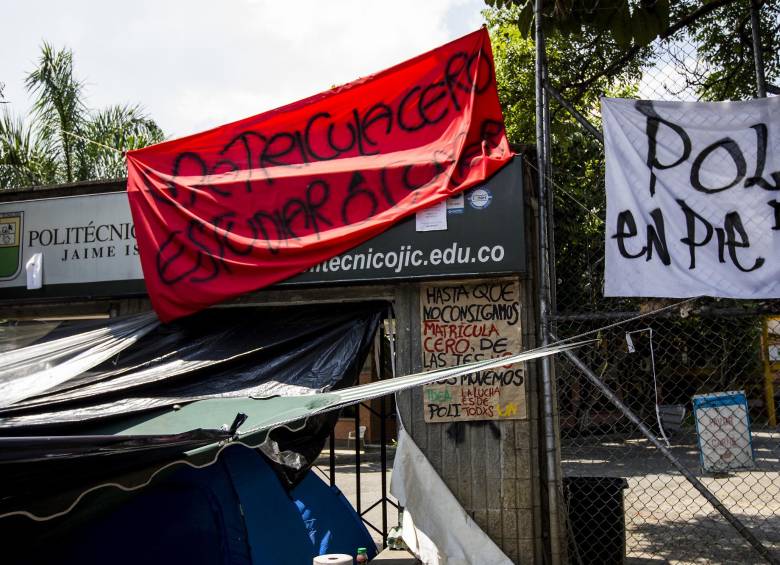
column 584, row 122
column 357, row 457
column 550, row 203
column 769, row 378
column 697, row 484
column 552, row 467
column 380, row 370
column 758, row 55
column 332, row 458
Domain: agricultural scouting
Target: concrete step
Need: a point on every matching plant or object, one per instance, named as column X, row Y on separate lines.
column 395, row 557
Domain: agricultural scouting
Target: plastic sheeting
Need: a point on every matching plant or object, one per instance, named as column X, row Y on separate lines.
column 441, row 533
column 294, row 450
column 231, row 353
column 17, row 334
column 56, row 442
column 35, row 369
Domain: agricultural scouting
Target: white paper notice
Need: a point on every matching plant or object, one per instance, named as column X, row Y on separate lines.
column 34, row 268
column 456, row 204
column 433, row 218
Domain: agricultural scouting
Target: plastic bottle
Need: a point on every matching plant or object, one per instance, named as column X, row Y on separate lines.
column 362, row 555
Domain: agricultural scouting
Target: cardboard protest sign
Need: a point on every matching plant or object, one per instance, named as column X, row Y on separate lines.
column 462, row 323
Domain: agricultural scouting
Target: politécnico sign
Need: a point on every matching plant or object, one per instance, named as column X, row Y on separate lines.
column 485, row 236
column 88, row 244
column 83, row 239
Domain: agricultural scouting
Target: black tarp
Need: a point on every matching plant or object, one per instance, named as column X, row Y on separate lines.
column 57, row 442
column 230, row 352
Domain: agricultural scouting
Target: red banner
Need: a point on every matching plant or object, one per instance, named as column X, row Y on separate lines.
column 243, row 206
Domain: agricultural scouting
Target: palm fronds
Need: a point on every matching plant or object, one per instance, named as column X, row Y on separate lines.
column 54, row 146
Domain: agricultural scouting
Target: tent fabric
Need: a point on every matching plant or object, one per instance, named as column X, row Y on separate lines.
column 45, row 475
column 275, row 531
column 331, row 523
column 248, row 204
column 441, row 533
column 235, row 512
column 48, row 448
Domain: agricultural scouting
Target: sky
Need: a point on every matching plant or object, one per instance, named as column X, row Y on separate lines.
column 196, row 64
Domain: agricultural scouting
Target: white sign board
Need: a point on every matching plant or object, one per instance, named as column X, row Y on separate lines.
column 723, row 427
column 81, row 239
column 693, row 198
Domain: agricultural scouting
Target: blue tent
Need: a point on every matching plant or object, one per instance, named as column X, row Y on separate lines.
column 233, row 512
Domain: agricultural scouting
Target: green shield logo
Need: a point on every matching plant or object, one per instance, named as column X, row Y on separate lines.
column 10, row 244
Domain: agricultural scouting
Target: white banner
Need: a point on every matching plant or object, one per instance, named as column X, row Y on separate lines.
column 693, row 198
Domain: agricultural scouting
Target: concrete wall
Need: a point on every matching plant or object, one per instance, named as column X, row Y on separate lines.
column 499, row 481
column 496, row 479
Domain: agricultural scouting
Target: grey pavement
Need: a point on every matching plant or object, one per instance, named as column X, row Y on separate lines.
column 667, row 520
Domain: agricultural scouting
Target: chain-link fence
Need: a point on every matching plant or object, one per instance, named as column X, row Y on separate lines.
column 699, row 374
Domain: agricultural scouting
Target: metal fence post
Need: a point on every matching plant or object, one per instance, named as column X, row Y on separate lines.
column 357, row 458
column 551, row 448
column 380, row 373
column 758, row 55
column 332, row 457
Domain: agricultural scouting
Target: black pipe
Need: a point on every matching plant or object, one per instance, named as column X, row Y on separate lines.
column 383, row 439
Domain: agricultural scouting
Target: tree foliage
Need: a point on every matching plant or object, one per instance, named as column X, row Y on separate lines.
column 63, row 140
column 626, row 21
column 590, row 63
column 724, row 46
column 722, row 66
